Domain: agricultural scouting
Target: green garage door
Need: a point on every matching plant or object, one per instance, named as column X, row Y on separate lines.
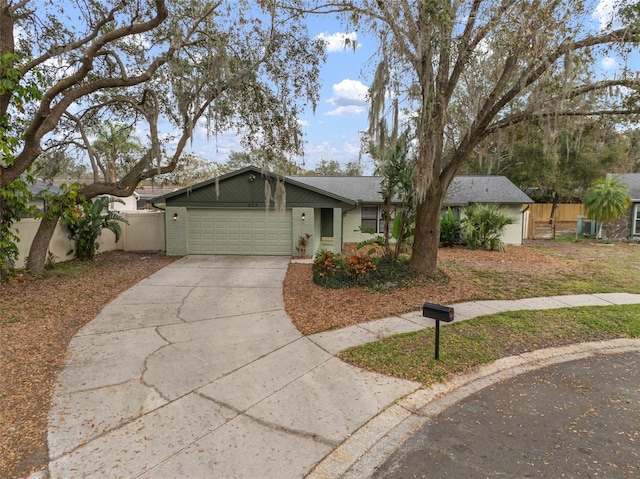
column 239, row 232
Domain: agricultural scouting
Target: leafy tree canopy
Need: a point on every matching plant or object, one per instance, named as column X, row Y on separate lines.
column 334, row 168
column 583, row 151
column 265, row 159
column 465, row 70
column 169, row 67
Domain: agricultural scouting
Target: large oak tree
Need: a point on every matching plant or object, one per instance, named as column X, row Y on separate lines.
column 466, row 69
column 166, row 67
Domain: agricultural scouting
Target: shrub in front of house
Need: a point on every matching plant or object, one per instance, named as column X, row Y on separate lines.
column 483, row 226
column 377, row 273
column 450, row 230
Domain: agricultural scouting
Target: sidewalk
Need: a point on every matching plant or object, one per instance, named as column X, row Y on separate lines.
column 345, row 338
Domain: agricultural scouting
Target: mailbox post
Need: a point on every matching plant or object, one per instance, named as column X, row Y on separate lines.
column 439, row 313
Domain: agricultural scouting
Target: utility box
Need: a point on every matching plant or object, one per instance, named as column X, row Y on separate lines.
column 586, row 226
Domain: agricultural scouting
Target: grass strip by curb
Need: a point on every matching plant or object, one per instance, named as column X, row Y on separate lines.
column 468, row 344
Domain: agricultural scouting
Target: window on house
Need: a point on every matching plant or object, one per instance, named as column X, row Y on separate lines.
column 369, row 218
column 636, row 220
column 373, row 217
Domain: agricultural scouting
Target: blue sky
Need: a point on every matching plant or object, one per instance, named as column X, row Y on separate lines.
column 333, row 132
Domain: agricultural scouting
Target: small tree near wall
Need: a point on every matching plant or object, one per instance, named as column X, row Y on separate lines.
column 606, row 201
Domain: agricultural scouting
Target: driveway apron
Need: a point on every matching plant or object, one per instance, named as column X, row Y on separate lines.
column 197, row 371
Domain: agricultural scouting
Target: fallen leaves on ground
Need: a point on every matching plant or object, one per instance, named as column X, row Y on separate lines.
column 314, row 308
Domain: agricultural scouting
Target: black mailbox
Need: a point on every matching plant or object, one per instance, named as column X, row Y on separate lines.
column 436, row 311
column 439, row 313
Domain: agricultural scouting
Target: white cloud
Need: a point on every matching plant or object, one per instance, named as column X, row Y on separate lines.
column 348, row 151
column 138, row 40
column 607, row 14
column 19, row 35
column 337, row 42
column 609, row 63
column 350, row 98
column 346, row 111
column 303, row 122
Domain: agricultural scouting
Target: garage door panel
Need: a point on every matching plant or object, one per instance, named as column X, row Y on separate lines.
column 213, row 231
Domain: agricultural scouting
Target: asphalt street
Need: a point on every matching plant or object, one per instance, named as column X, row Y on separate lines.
column 574, row 419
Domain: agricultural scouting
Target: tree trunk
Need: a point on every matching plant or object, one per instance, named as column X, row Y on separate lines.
column 6, row 46
column 554, row 206
column 424, row 256
column 40, row 247
column 7, row 266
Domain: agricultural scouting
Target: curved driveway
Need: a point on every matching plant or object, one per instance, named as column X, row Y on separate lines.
column 197, row 371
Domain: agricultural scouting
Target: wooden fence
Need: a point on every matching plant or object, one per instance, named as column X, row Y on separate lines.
column 538, row 223
column 564, row 212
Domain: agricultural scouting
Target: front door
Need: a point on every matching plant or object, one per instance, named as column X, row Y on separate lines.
column 326, row 223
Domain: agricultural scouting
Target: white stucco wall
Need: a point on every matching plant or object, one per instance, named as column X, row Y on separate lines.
column 352, row 221
column 351, row 227
column 513, row 233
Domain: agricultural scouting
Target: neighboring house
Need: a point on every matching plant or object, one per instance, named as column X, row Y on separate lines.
column 629, row 225
column 129, row 202
column 147, row 193
column 37, row 189
column 228, row 215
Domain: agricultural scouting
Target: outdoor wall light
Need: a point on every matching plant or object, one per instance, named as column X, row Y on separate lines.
column 303, row 216
column 175, row 217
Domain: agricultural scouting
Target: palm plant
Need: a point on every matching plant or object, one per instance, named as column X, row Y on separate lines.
column 116, row 146
column 86, row 224
column 450, row 229
column 483, row 226
column 606, row 201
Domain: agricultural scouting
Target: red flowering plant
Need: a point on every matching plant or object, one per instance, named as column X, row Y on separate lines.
column 324, row 263
column 359, row 265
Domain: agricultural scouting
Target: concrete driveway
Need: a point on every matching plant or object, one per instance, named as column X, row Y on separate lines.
column 197, row 371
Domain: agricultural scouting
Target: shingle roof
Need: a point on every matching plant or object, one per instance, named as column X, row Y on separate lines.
column 364, row 189
column 632, row 180
column 40, row 186
column 463, row 190
column 484, row 189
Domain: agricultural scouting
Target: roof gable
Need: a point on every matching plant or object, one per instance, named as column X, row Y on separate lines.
column 246, row 188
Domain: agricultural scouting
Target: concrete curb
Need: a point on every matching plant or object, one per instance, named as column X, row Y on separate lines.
column 366, row 449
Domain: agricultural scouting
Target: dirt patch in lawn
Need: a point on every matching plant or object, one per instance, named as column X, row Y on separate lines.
column 38, row 318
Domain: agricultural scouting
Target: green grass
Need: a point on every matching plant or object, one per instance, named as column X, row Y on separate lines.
column 74, row 268
column 484, row 339
column 584, row 277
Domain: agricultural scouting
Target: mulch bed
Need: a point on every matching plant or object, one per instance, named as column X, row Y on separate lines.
column 314, row 308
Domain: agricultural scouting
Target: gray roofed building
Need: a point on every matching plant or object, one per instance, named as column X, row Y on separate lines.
column 364, row 189
column 40, row 186
column 484, row 189
column 463, row 189
column 629, row 225
column 632, row 180
column 236, row 213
